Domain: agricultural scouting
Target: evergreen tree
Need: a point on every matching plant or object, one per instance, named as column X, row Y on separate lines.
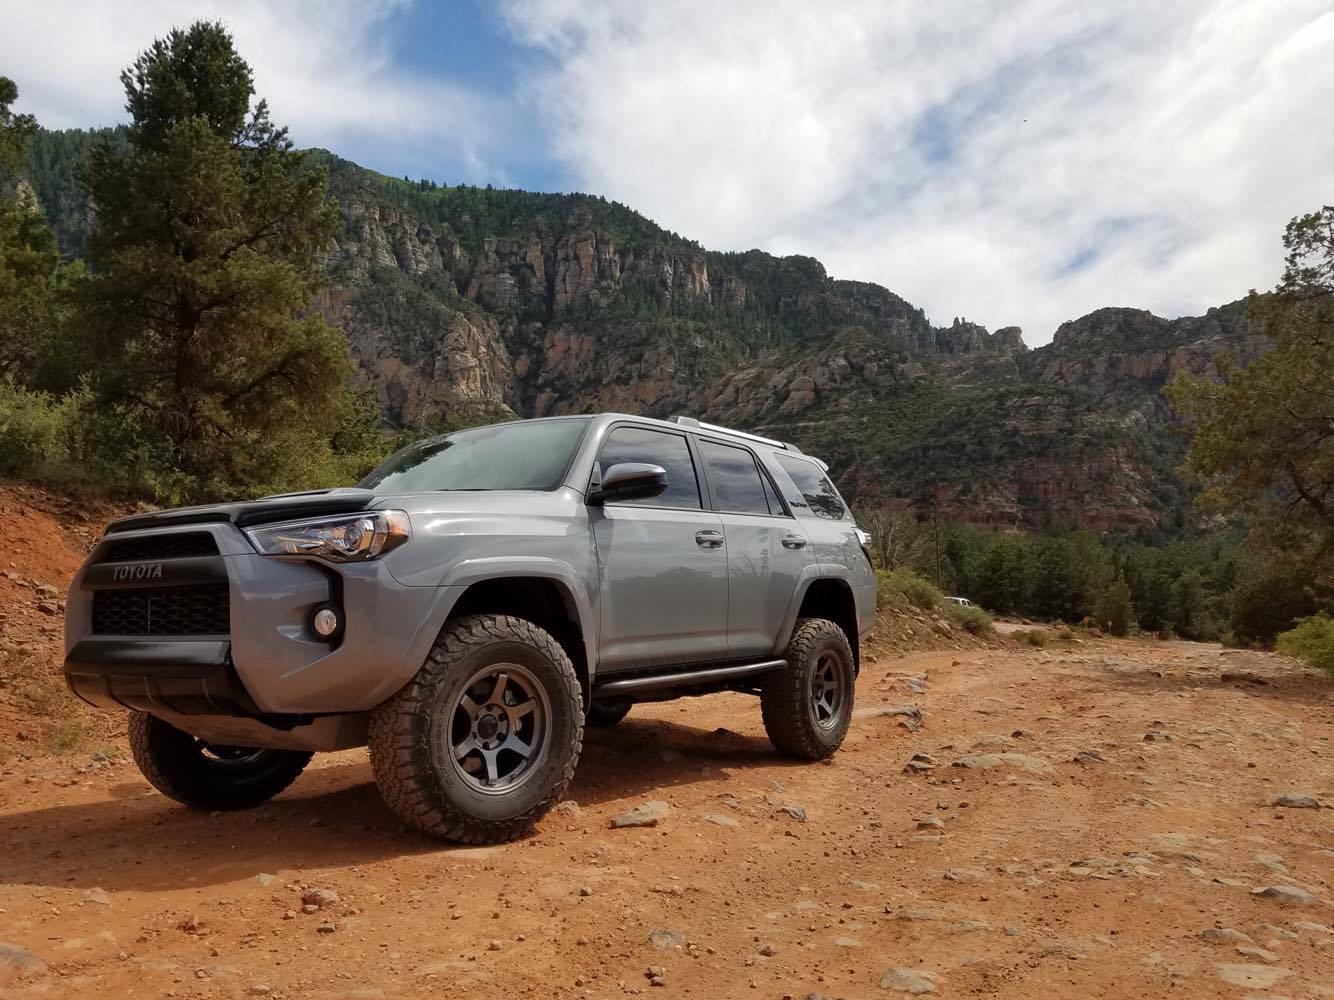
column 1264, row 435
column 205, row 261
column 1113, row 611
column 30, row 275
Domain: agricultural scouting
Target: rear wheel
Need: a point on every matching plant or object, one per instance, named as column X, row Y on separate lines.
column 484, row 739
column 808, row 707
column 208, row 775
column 606, row 713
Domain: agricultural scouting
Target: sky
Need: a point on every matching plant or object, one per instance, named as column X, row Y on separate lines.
column 1017, row 163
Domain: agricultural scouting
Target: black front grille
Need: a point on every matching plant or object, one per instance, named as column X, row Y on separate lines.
column 179, row 545
column 203, row 609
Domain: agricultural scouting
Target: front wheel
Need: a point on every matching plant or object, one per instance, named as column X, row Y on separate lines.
column 485, row 738
column 208, row 775
column 808, row 707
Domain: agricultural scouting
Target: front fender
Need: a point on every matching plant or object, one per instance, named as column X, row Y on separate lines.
column 813, row 572
column 578, row 587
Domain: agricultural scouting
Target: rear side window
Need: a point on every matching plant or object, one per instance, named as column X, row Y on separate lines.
column 815, row 488
column 736, row 482
column 638, row 444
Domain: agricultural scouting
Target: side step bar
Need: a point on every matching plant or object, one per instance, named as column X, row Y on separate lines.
column 688, row 678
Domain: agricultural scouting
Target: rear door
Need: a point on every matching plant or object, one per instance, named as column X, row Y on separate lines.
column 766, row 547
column 663, row 561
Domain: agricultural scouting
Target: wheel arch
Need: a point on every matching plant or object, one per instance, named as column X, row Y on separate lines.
column 822, row 594
column 542, row 595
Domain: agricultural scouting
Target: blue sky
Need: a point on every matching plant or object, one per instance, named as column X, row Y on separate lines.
column 1018, row 163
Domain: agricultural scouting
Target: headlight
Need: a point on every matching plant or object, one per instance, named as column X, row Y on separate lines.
column 864, row 537
column 347, row 538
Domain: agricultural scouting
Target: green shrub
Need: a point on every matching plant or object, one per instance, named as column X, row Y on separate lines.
column 918, row 592
column 1035, row 637
column 974, row 619
column 1312, row 640
column 1066, row 635
column 30, row 430
column 1113, row 611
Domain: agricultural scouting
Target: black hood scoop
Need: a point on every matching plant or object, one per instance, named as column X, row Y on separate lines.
column 283, row 507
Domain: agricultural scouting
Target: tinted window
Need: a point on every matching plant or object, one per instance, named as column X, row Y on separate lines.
column 524, row 455
column 636, row 444
column 815, row 488
column 734, row 480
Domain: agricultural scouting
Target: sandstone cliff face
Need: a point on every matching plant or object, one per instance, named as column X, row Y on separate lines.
column 1110, row 347
column 562, row 315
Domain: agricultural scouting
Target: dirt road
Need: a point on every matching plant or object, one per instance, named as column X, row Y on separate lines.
column 1119, row 804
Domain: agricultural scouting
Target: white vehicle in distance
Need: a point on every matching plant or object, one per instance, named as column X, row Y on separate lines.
column 962, row 602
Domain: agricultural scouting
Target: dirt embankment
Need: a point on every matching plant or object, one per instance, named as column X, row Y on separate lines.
column 47, row 539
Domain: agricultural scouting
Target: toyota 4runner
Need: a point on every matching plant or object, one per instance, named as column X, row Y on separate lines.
column 467, row 609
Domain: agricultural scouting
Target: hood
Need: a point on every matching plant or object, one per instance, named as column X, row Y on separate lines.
column 283, row 507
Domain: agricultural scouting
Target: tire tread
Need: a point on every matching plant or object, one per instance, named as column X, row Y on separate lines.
column 399, row 734
column 784, row 695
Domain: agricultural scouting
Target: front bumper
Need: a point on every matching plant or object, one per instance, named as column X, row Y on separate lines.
column 188, row 677
column 269, row 662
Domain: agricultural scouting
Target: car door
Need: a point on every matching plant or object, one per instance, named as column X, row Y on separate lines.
column 662, row 561
column 766, row 547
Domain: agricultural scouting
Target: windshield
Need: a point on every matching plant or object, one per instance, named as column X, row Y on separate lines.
column 525, row 455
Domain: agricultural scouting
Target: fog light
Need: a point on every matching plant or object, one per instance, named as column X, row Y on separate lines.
column 326, row 622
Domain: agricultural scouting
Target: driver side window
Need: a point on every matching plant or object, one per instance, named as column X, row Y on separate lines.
column 639, row 444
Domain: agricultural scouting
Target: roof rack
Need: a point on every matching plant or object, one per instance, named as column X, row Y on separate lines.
column 692, row 422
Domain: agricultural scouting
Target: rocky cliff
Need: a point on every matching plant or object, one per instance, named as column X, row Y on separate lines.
column 465, row 304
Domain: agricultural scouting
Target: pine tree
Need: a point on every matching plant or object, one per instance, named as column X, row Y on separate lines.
column 1113, row 611
column 205, row 261
column 1264, row 435
column 30, row 273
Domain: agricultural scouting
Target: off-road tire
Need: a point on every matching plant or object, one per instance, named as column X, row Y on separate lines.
column 429, row 796
column 786, row 699
column 178, row 766
column 604, row 714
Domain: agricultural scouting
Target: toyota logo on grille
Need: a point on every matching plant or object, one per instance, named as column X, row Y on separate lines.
column 143, row 571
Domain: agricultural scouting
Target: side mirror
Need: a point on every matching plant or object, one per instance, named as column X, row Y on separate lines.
column 629, row 481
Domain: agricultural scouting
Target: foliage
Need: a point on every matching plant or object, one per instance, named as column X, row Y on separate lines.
column 914, row 589
column 1311, row 640
column 31, row 278
column 204, row 261
column 1272, row 592
column 974, row 619
column 1113, row 611
column 15, row 129
column 1264, row 435
column 896, row 536
column 1036, row 637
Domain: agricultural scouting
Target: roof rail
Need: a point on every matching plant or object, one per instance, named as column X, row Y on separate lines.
column 692, row 422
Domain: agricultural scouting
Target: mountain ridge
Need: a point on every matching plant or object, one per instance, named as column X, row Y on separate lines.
column 463, row 304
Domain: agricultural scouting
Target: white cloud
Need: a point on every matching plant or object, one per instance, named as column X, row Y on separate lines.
column 1021, row 163
column 324, row 66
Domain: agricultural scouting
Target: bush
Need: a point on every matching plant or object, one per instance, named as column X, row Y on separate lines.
column 1036, row 637
column 30, row 429
column 1112, row 611
column 1312, row 640
column 974, row 619
column 918, row 592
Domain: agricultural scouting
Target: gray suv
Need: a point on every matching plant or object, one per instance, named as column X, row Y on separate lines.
column 469, row 608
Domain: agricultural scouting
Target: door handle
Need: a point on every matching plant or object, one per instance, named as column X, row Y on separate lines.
column 794, row 542
column 709, row 539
